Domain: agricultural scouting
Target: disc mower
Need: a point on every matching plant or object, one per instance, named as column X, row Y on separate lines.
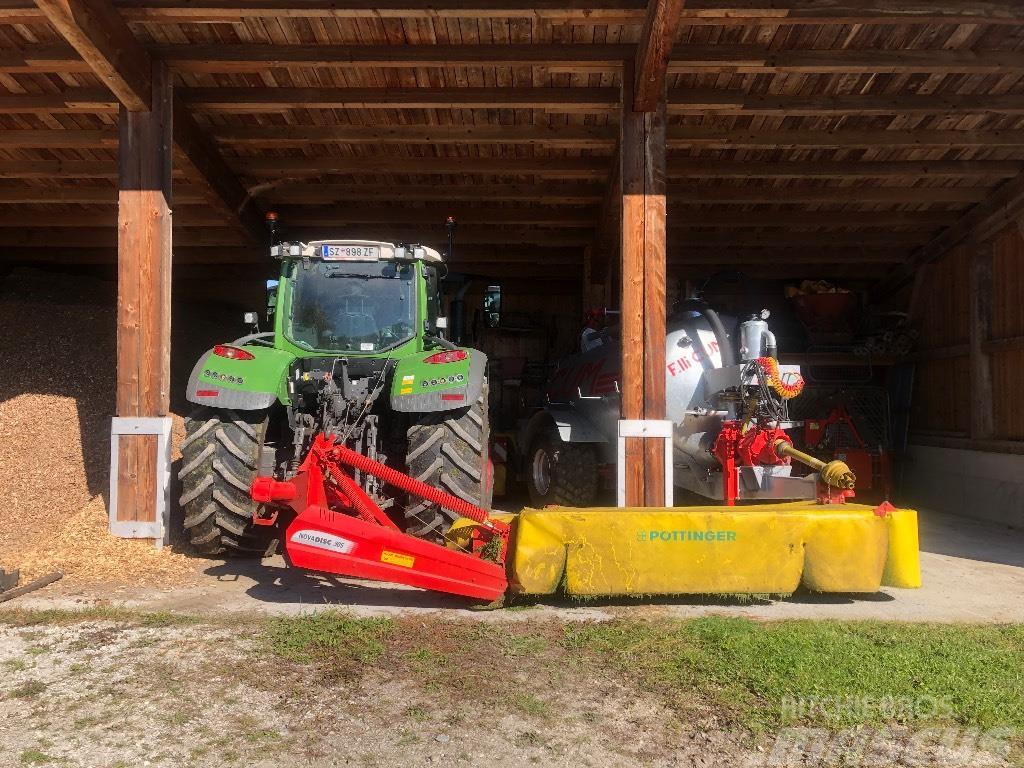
column 356, row 436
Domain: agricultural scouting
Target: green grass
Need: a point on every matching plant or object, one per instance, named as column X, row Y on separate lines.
column 974, row 673
column 28, row 690
column 34, row 757
column 21, row 617
column 328, row 636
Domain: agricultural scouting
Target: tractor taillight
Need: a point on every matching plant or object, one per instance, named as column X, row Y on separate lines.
column 232, row 353
column 448, row 356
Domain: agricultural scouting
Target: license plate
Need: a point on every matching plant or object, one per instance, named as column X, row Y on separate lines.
column 351, row 252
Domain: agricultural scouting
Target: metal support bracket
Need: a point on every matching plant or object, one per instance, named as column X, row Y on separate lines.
column 644, row 428
column 141, row 529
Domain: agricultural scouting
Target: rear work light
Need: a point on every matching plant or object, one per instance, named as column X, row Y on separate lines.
column 448, row 356
column 232, row 353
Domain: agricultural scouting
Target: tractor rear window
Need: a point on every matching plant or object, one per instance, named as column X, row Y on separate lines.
column 352, row 306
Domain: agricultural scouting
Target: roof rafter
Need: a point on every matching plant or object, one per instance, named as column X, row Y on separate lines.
column 96, row 30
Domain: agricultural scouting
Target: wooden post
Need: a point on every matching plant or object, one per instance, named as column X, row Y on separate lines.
column 143, row 290
column 642, row 173
column 982, row 412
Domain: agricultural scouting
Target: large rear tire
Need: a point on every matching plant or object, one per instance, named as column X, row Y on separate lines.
column 448, row 450
column 561, row 474
column 219, row 459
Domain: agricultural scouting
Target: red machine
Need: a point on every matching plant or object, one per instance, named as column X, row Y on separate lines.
column 838, row 436
column 339, row 529
column 755, row 445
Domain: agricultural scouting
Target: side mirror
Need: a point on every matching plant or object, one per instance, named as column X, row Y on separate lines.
column 271, row 297
column 441, row 323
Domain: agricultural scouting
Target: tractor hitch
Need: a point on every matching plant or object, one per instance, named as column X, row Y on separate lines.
column 339, row 529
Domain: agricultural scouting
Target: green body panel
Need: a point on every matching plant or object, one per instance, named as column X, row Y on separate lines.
column 258, row 383
column 265, row 375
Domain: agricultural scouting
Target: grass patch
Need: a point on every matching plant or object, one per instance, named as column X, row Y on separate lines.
column 34, row 757
column 328, row 636
column 22, row 617
column 850, row 673
column 28, row 690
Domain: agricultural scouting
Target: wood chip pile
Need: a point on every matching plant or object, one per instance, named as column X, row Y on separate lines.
column 57, row 369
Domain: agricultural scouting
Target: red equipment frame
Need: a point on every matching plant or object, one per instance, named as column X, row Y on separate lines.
column 339, row 529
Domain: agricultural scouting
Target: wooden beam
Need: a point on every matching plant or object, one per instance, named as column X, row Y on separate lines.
column 80, row 195
column 782, row 12
column 433, row 234
column 685, row 217
column 783, row 169
column 683, row 137
column 998, row 210
column 210, row 11
column 328, row 194
column 575, row 216
column 103, row 40
column 630, row 12
column 722, row 102
column 979, row 332
column 72, row 101
column 642, row 178
column 777, row 254
column 562, row 136
column 58, row 139
column 650, row 66
column 144, row 291
column 570, row 168
column 799, row 193
column 96, row 30
column 185, row 217
column 62, row 59
column 202, row 163
column 256, row 58
column 244, row 100
column 757, row 60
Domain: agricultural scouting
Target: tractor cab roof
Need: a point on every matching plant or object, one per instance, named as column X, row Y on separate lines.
column 355, row 250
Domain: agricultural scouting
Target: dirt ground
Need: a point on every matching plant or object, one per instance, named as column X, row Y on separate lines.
column 148, row 690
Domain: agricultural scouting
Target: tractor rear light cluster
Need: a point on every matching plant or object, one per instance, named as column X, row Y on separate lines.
column 232, row 353
column 448, row 356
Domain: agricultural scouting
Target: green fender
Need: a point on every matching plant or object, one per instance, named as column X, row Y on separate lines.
column 421, row 387
column 245, row 385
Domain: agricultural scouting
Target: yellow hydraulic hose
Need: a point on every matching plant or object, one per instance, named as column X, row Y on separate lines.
column 835, row 473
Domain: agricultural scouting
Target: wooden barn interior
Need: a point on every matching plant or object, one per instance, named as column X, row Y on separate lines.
column 595, row 153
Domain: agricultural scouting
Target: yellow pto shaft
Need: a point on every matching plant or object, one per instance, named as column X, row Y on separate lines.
column 835, row 473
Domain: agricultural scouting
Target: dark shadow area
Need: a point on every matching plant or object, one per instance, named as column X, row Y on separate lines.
column 275, row 583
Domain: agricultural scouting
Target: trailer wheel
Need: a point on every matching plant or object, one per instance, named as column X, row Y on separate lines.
column 560, row 473
column 448, row 450
column 219, row 459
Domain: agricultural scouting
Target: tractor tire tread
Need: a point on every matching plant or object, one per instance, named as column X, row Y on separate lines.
column 448, row 450
column 220, row 456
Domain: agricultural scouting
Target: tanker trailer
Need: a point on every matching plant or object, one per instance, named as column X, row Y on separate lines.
column 726, row 396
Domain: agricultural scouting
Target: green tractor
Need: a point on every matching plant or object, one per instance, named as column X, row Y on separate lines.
column 357, row 353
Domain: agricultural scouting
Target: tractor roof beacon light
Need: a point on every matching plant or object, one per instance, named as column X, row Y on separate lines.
column 272, row 226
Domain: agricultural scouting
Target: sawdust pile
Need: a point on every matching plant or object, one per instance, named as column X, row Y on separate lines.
column 57, row 369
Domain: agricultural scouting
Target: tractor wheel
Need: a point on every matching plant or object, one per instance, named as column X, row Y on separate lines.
column 219, row 459
column 561, row 474
column 448, row 450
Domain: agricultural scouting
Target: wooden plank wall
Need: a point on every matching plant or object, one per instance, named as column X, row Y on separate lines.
column 942, row 391
column 1007, row 359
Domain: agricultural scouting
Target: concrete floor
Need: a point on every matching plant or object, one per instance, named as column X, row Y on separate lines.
column 972, row 571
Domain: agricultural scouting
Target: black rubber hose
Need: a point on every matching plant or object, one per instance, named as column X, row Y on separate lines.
column 724, row 344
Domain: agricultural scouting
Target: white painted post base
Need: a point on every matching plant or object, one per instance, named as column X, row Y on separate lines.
column 135, row 529
column 648, row 429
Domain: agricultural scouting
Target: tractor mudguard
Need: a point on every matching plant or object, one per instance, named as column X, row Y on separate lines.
column 245, row 385
column 572, row 427
column 422, row 387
